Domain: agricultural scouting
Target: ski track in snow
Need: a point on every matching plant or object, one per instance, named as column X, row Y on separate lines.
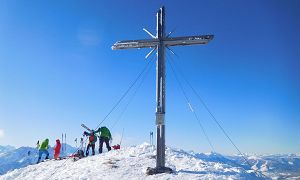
column 132, row 162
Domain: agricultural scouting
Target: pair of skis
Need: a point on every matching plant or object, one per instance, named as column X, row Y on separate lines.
column 85, row 127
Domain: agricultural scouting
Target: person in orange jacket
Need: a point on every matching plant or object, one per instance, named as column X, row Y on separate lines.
column 57, row 149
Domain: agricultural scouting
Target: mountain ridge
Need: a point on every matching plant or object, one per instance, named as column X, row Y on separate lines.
column 132, row 162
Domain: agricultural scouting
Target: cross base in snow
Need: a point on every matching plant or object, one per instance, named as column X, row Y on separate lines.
column 158, row 170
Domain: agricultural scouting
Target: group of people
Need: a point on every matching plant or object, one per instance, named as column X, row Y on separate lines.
column 105, row 137
column 43, row 149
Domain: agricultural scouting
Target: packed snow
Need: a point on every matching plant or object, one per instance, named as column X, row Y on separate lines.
column 132, row 162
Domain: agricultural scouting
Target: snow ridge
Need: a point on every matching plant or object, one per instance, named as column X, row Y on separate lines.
column 132, row 162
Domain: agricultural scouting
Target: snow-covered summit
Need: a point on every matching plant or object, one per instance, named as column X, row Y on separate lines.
column 132, row 162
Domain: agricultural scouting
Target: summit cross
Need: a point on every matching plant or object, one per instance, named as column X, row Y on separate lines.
column 159, row 43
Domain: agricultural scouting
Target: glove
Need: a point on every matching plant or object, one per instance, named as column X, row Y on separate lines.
column 85, row 133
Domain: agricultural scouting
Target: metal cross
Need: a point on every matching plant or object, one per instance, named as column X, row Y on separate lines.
column 159, row 43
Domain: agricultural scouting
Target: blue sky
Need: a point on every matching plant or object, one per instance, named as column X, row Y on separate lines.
column 57, row 70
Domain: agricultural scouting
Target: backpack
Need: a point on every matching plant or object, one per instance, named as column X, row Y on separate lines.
column 80, row 153
column 92, row 138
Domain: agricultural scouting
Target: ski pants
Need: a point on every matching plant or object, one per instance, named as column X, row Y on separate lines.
column 41, row 152
column 56, row 154
column 88, row 149
column 102, row 140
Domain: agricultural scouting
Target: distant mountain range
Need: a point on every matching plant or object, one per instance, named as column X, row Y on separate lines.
column 14, row 158
column 132, row 162
column 4, row 149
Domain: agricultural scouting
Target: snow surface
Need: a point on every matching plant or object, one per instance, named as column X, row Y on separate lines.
column 132, row 162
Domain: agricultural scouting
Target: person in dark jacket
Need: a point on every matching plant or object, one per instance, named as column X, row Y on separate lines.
column 105, row 136
column 92, row 141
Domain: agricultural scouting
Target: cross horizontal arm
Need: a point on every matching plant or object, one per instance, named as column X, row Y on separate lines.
column 143, row 43
column 187, row 40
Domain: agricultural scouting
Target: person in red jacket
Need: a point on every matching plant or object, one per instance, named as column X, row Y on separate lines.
column 57, row 149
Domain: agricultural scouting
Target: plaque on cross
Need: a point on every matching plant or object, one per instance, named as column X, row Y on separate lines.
column 159, row 43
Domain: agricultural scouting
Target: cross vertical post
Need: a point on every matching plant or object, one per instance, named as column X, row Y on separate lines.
column 160, row 42
column 160, row 90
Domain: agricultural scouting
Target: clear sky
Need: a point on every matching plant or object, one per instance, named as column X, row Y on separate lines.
column 57, row 70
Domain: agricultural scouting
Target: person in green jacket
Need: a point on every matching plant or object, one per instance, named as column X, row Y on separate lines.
column 43, row 149
column 105, row 136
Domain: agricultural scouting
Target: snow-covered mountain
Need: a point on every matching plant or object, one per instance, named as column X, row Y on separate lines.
column 132, row 162
column 12, row 158
column 4, row 149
